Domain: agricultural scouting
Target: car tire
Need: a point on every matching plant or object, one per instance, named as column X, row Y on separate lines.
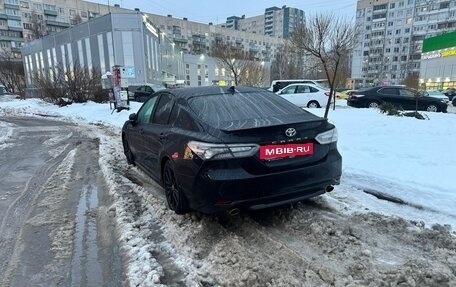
column 432, row 108
column 373, row 105
column 454, row 102
column 174, row 196
column 313, row 104
column 127, row 151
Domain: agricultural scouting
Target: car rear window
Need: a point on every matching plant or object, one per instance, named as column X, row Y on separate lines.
column 241, row 106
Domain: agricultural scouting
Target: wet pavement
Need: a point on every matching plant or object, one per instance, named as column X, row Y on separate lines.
column 56, row 226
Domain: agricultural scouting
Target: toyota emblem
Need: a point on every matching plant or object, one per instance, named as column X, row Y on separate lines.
column 290, row 132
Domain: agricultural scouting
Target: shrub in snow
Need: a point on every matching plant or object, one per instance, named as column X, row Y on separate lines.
column 389, row 109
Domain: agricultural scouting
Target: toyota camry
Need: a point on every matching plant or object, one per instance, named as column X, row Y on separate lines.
column 221, row 148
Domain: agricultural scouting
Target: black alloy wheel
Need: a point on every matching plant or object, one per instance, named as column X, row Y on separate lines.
column 127, row 151
column 174, row 196
column 432, row 108
column 373, row 105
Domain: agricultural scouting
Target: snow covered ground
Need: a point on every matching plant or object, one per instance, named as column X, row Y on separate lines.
column 345, row 238
column 409, row 159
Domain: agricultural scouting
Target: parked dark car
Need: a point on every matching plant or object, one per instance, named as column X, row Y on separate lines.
column 450, row 93
column 142, row 93
column 399, row 96
column 454, row 102
column 215, row 148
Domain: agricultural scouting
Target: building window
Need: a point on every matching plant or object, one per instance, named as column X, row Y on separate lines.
column 12, row 12
column 84, row 14
column 61, row 10
column 14, row 23
column 444, row 5
column 24, row 4
column 392, row 5
column 12, row 2
column 72, row 12
column 49, row 7
column 37, row 6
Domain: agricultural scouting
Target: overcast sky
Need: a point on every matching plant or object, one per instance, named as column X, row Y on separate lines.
column 205, row 11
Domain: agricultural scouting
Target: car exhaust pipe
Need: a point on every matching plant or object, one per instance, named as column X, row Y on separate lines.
column 329, row 188
column 234, row 211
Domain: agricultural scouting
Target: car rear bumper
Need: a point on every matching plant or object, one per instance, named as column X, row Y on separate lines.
column 356, row 103
column 220, row 189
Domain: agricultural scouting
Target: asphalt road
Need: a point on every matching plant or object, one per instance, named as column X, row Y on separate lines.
column 56, row 225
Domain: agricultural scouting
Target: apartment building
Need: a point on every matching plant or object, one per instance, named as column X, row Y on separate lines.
column 198, row 38
column 392, row 34
column 276, row 22
column 21, row 20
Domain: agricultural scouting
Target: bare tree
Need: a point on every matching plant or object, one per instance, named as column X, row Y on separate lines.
column 81, row 82
column 286, row 64
column 242, row 65
column 411, row 81
column 70, row 83
column 12, row 73
column 76, row 19
column 38, row 25
column 329, row 39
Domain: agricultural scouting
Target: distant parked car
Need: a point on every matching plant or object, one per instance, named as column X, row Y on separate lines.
column 454, row 102
column 450, row 93
column 436, row 94
column 399, row 96
column 216, row 148
column 142, row 93
column 278, row 85
column 305, row 95
column 344, row 94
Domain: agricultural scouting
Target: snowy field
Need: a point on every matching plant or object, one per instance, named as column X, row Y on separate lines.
column 345, row 238
column 409, row 159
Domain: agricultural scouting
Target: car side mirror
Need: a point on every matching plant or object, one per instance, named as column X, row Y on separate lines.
column 132, row 118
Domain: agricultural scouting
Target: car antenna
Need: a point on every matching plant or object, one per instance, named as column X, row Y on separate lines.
column 232, row 89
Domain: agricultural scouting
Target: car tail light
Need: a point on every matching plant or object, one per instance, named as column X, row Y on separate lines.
column 353, row 95
column 327, row 137
column 220, row 151
column 327, row 94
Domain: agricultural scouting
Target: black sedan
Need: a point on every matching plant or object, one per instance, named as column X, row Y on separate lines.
column 142, row 93
column 215, row 148
column 399, row 96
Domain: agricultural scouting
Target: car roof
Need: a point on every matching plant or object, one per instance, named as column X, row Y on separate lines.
column 190, row 92
column 301, row 84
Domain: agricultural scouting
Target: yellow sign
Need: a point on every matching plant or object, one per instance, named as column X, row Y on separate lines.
column 449, row 53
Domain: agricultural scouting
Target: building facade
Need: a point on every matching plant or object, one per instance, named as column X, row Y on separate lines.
column 125, row 39
column 22, row 20
column 392, row 35
column 276, row 22
column 201, row 70
column 198, row 38
column 438, row 62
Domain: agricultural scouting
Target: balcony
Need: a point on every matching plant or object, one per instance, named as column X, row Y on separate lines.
column 180, row 40
column 11, row 6
column 58, row 24
column 11, row 17
column 3, row 16
column 50, row 12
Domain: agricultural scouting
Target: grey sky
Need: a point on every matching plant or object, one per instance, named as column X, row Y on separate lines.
column 205, row 11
